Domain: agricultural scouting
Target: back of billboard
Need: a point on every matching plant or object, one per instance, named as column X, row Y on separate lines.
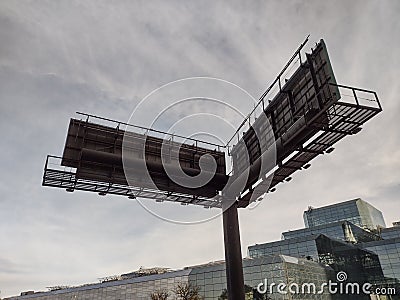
column 96, row 151
column 293, row 116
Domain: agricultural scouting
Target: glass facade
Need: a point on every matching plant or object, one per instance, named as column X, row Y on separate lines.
column 360, row 265
column 210, row 278
column 388, row 252
column 355, row 211
column 333, row 230
column 365, row 250
column 341, row 256
column 272, row 268
column 139, row 288
column 342, row 230
column 390, row 233
column 297, row 247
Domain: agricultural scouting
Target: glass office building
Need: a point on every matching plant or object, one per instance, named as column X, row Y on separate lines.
column 211, row 280
column 365, row 249
column 356, row 211
column 302, row 247
column 269, row 268
column 361, row 265
column 342, row 230
column 360, row 246
column 139, row 288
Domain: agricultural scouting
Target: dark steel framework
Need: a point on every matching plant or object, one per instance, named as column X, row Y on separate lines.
column 308, row 114
column 345, row 118
column 92, row 161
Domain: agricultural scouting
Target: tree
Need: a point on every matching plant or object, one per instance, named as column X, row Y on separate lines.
column 186, row 291
column 224, row 295
column 159, row 295
column 250, row 294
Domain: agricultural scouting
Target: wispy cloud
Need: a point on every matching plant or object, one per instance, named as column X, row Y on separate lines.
column 60, row 57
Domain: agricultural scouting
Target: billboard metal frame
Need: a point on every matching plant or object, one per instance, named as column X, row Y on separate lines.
column 345, row 117
column 56, row 175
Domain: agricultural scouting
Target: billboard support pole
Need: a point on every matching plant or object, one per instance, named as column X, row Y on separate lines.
column 233, row 253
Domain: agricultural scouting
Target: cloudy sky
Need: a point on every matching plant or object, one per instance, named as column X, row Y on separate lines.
column 59, row 57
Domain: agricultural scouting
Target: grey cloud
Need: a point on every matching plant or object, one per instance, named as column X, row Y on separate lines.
column 60, row 57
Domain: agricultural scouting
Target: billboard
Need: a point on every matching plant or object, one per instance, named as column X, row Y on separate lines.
column 306, row 115
column 96, row 151
column 295, row 114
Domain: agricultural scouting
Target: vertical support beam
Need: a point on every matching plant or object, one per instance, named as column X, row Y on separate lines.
column 355, row 96
column 377, row 100
column 314, row 79
column 273, row 121
column 291, row 103
column 233, row 252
